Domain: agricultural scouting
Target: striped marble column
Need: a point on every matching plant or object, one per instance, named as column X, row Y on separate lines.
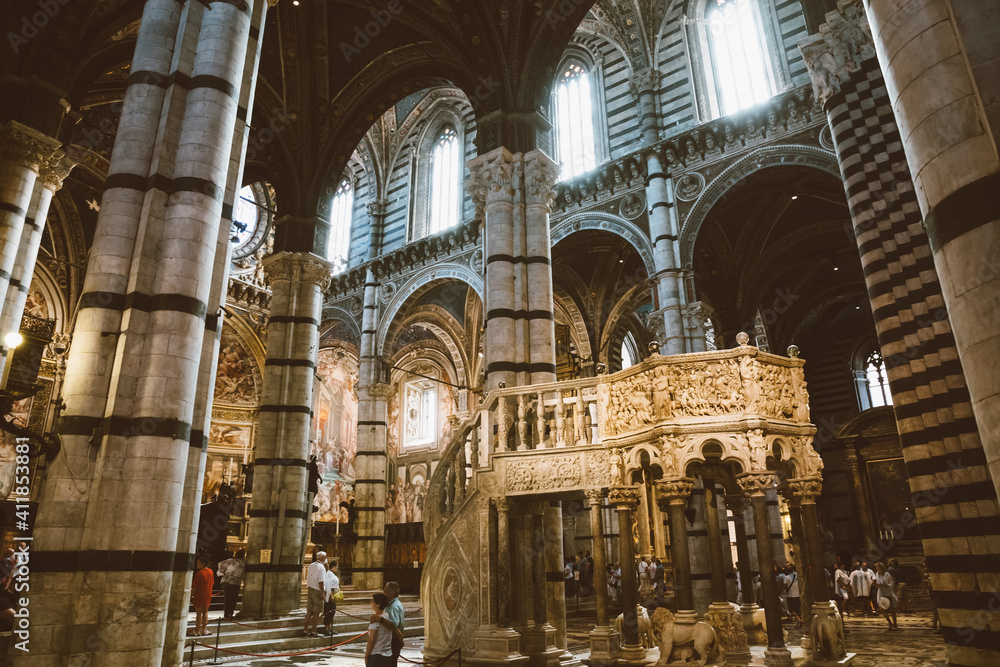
column 955, row 497
column 513, row 193
column 660, row 206
column 279, row 519
column 492, row 188
column 23, row 151
column 370, row 483
column 188, row 529
column 540, row 174
column 51, row 174
column 938, row 58
column 377, row 209
column 112, row 502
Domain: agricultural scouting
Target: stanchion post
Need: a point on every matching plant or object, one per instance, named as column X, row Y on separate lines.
column 191, row 662
column 218, row 634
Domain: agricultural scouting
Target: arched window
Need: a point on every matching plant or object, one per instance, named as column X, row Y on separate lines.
column 338, row 247
column 419, row 413
column 878, row 383
column 245, row 218
column 446, row 175
column 740, row 69
column 251, row 223
column 574, row 116
column 629, row 356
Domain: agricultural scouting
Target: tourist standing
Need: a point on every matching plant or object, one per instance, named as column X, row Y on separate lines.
column 316, row 592
column 861, row 585
column 231, row 573
column 394, row 614
column 615, row 583
column 332, row 589
column 792, row 593
column 887, row 601
column 201, row 594
column 381, row 633
column 568, row 578
column 841, row 584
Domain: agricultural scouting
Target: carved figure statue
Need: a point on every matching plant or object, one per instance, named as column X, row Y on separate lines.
column 828, row 635
column 646, row 635
column 758, row 448
column 674, row 639
column 751, row 388
column 617, row 466
column 661, row 393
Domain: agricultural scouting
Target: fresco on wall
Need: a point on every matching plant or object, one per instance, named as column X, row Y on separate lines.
column 219, row 468
column 335, row 432
column 19, row 414
column 404, row 501
column 234, row 377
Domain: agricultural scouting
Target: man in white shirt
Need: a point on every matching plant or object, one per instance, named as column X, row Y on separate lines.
column 316, row 584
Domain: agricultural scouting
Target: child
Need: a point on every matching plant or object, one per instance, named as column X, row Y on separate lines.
column 201, row 595
column 379, row 650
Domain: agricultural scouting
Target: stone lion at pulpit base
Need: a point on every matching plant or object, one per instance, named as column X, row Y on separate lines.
column 684, row 643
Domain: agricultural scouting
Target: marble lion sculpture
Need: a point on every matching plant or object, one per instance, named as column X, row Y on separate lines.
column 701, row 637
column 828, row 635
column 645, row 627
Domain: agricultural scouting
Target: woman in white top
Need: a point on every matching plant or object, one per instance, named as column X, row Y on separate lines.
column 332, row 587
column 887, row 602
column 841, row 584
column 379, row 650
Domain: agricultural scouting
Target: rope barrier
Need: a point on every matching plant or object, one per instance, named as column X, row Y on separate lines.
column 283, row 655
column 436, row 662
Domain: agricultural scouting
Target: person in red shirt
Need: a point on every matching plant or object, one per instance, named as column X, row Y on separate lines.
column 201, row 595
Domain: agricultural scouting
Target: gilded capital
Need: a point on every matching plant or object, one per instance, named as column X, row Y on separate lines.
column 805, row 490
column 595, row 496
column 624, row 497
column 674, row 491
column 298, row 267
column 26, row 146
column 757, row 483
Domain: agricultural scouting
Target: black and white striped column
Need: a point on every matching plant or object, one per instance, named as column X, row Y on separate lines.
column 280, row 519
column 110, row 516
column 953, row 494
column 51, row 174
column 23, row 151
column 513, row 192
column 663, row 228
column 370, row 483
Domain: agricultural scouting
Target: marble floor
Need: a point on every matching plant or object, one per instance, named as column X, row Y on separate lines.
column 916, row 645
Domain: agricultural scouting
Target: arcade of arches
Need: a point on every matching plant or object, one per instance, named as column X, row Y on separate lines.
column 455, row 290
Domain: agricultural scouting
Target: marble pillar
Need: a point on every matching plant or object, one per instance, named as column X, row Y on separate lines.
column 51, row 174
column 513, row 193
column 539, row 636
column 23, row 152
column 279, row 518
column 377, row 209
column 727, row 621
column 859, row 499
column 555, row 589
column 368, row 550
column 756, row 485
column 134, row 373
column 626, row 499
column 604, row 649
column 738, row 505
column 494, row 641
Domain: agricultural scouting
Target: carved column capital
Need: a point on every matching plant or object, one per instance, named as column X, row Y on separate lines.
column 644, row 81
column 502, row 504
column 595, row 496
column 757, row 483
column 381, row 391
column 298, row 267
column 25, row 146
column 837, row 51
column 54, row 171
column 735, row 503
column 674, row 491
column 624, row 497
column 377, row 207
column 491, row 178
column 805, row 490
column 540, row 175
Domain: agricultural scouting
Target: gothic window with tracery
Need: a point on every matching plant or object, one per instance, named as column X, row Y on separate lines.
column 574, row 120
column 420, row 413
column 878, row 382
column 740, row 67
column 446, row 176
column 338, row 246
